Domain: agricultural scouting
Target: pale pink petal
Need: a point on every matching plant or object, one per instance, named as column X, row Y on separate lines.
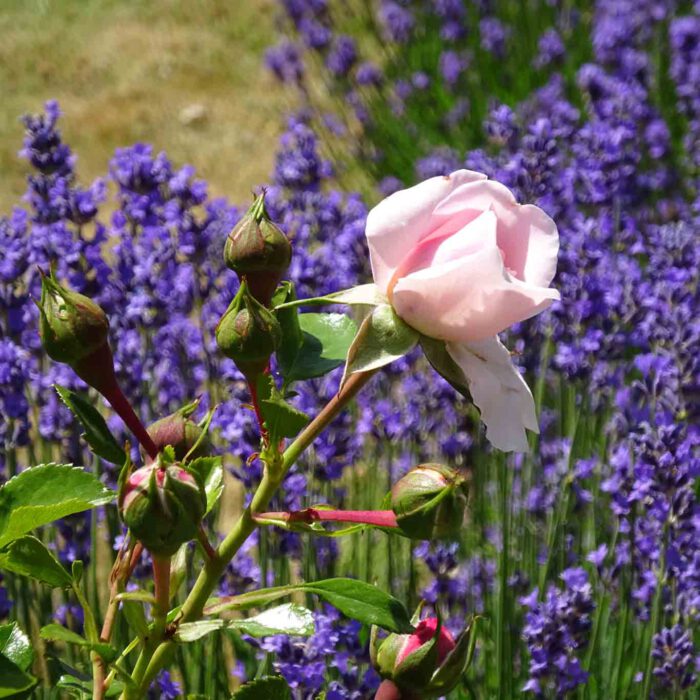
column 468, row 299
column 498, row 391
column 399, row 222
column 434, row 250
column 527, row 236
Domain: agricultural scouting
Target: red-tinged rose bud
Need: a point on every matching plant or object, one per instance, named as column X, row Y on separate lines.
column 71, row 326
column 259, row 251
column 430, row 501
column 424, row 664
column 178, row 431
column 163, row 507
column 425, row 631
column 248, row 333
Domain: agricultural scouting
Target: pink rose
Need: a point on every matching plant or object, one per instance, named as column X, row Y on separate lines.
column 460, row 261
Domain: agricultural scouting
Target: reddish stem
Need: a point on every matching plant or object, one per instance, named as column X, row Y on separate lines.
column 255, row 402
column 380, row 518
column 97, row 370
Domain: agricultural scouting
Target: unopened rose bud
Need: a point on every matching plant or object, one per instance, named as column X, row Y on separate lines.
column 403, row 659
column 430, row 501
column 259, row 251
column 163, row 507
column 248, row 333
column 71, row 326
column 178, row 431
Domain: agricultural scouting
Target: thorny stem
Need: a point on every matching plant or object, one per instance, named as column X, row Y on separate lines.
column 121, row 573
column 122, row 406
column 273, row 475
column 255, row 402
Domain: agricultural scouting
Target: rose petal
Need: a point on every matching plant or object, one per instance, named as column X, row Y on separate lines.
column 468, row 299
column 399, row 222
column 499, row 392
column 527, row 236
column 435, row 250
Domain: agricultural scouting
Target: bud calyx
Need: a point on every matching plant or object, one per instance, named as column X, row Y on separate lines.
column 248, row 333
column 430, row 501
column 163, row 505
column 71, row 326
column 258, row 249
column 178, row 431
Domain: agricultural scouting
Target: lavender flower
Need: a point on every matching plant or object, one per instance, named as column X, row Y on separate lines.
column 675, row 657
column 555, row 630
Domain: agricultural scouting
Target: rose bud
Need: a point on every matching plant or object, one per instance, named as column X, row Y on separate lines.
column 429, row 501
column 163, row 507
column 71, row 326
column 403, row 659
column 425, row 664
column 178, row 431
column 248, row 333
column 259, row 251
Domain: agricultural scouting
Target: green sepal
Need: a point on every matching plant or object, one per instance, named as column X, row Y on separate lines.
column 442, row 362
column 457, row 661
column 382, row 338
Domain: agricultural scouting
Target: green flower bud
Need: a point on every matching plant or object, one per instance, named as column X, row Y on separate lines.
column 163, row 507
column 248, row 333
column 430, row 501
column 178, row 431
column 71, row 326
column 259, row 251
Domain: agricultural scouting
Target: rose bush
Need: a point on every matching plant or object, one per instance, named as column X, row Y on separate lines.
column 460, row 261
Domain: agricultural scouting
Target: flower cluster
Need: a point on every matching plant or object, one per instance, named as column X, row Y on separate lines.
column 555, row 632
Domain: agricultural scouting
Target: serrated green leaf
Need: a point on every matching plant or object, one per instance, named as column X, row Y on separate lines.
column 270, row 688
column 192, row 631
column 292, row 337
column 15, row 646
column 362, row 602
column 326, row 339
column 42, row 494
column 28, row 556
column 356, row 599
column 13, row 679
column 96, row 434
column 79, row 688
column 211, row 474
column 247, row 600
column 135, row 617
column 382, row 338
column 282, row 420
column 59, row 633
column 289, row 619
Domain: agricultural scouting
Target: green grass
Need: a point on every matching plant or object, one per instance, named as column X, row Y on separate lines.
column 124, row 70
